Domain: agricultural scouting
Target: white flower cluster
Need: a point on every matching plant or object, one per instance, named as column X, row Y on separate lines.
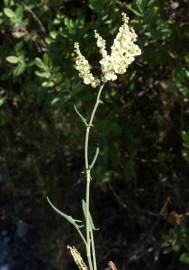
column 82, row 65
column 108, row 73
column 123, row 52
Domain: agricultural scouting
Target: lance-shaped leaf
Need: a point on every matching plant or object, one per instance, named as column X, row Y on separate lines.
column 92, row 227
column 81, row 116
column 70, row 219
column 95, row 158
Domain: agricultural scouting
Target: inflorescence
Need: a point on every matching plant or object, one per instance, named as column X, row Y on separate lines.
column 123, row 52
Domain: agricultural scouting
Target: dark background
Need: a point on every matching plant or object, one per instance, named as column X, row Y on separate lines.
column 140, row 191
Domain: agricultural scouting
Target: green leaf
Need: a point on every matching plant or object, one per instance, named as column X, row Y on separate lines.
column 53, row 34
column 19, row 12
column 12, row 59
column 80, row 116
column 48, row 84
column 95, row 158
column 9, row 13
column 40, row 63
column 129, row 7
column 45, row 75
column 67, row 217
column 2, row 101
column 184, row 258
column 185, row 136
column 92, row 227
column 19, row 69
column 46, row 59
column 139, row 5
column 55, row 100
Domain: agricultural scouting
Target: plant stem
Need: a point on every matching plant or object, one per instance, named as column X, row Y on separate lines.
column 93, row 250
column 88, row 180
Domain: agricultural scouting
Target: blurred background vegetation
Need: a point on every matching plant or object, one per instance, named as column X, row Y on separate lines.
column 140, row 193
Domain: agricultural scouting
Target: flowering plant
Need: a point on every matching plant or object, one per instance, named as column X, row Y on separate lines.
column 123, row 52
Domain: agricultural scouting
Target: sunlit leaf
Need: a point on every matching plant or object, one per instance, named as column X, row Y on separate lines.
column 12, row 59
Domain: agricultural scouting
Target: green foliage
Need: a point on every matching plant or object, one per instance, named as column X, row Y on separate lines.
column 16, row 17
column 177, row 241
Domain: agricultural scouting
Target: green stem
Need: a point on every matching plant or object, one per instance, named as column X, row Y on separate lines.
column 93, row 250
column 88, row 179
column 81, row 235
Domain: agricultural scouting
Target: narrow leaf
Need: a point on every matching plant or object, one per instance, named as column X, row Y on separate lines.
column 40, row 63
column 67, row 217
column 92, row 227
column 80, row 116
column 55, row 100
column 95, row 158
column 139, row 5
column 129, row 7
column 19, row 69
column 45, row 75
column 2, row 101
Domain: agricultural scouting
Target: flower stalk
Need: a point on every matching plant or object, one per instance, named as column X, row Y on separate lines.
column 89, row 233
